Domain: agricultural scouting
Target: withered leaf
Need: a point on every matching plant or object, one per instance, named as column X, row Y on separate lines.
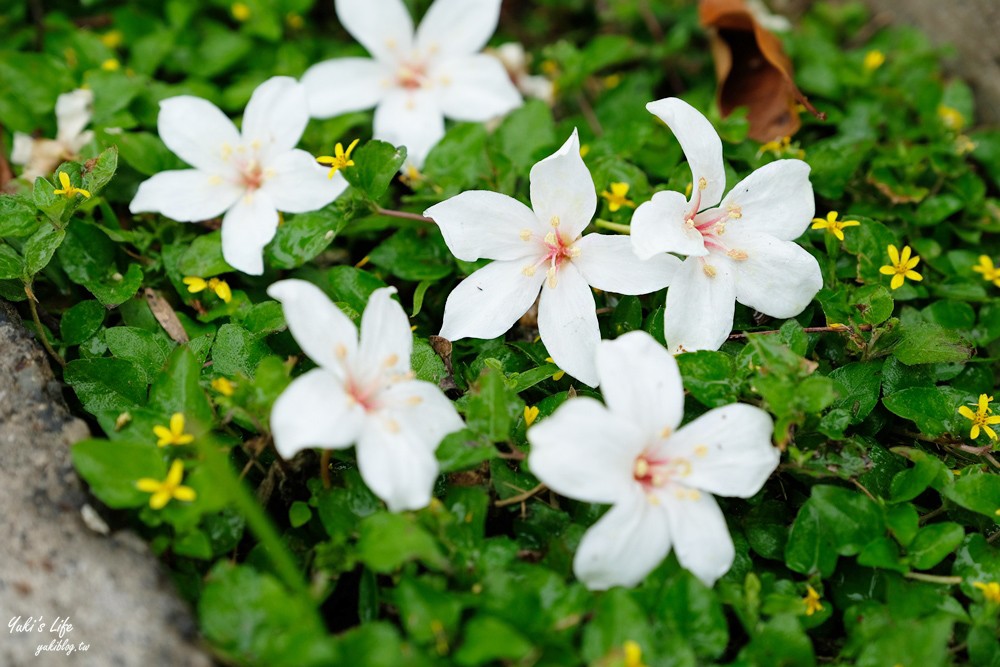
column 165, row 315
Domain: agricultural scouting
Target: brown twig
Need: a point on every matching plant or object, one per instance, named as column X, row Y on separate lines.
column 405, row 215
column 844, row 329
column 324, row 468
column 521, row 497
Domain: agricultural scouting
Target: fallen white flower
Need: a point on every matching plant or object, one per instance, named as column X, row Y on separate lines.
column 659, row 479
column 741, row 250
column 363, row 392
column 249, row 176
column 541, row 249
column 41, row 156
column 415, row 79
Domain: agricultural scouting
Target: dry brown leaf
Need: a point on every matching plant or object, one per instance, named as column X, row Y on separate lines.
column 752, row 70
column 165, row 315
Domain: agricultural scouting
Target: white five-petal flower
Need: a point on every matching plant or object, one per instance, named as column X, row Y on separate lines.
column 658, row 479
column 363, row 392
column 541, row 249
column 248, row 175
column 415, row 79
column 41, row 156
column 738, row 250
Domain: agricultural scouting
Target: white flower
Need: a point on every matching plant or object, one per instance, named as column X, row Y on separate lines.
column 541, row 249
column 363, row 392
column 741, row 250
column 41, row 156
column 249, row 176
column 515, row 61
column 415, row 80
column 659, row 480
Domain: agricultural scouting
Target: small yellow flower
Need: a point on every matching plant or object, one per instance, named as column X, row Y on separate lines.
column 873, row 60
column 964, row 145
column 174, row 435
column 612, row 81
column 989, row 272
column 241, row 11
column 981, row 418
column 220, row 287
column 223, row 386
column 811, row 601
column 558, row 375
column 67, row 189
column 618, row 197
column 781, row 147
column 111, row 65
column 991, row 590
column 341, row 159
column 951, row 117
column 901, row 267
column 530, row 414
column 633, row 654
column 167, row 490
column 294, row 21
column 834, row 226
column 112, row 39
column 584, row 149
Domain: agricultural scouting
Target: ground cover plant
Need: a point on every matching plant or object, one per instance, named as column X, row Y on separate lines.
column 331, row 481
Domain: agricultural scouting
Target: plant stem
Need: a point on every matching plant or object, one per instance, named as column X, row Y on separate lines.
column 933, row 578
column 256, row 518
column 846, row 329
column 405, row 215
column 613, row 226
column 40, row 329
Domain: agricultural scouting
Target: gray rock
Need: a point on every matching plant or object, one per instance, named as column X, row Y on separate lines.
column 109, row 593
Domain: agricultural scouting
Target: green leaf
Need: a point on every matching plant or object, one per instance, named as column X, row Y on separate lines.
column 88, row 257
column 351, row 286
column 178, row 389
column 303, row 236
column 18, row 217
column 927, row 471
column 146, row 350
column 299, row 514
column 488, row 639
column 237, row 351
column 387, row 541
column 926, row 343
column 428, row 609
column 98, row 173
column 525, row 134
column 107, row 384
column 40, row 247
column 492, row 407
column 375, row 165
column 977, row 492
column 112, row 468
column 413, row 254
column 859, row 385
column 146, row 153
column 617, row 618
column 931, row 408
column 426, row 364
column 834, row 521
column 11, row 263
column 709, row 376
column 81, row 322
column 203, row 257
column 933, row 543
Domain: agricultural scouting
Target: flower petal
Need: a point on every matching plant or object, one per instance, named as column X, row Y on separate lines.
column 660, row 225
column 586, row 451
column 625, row 544
column 321, row 329
column 185, row 195
column 457, row 27
column 411, row 119
column 384, row 27
column 478, row 224
column 395, row 464
column 729, row 449
column 276, row 115
column 608, row 263
column 701, row 537
column 562, row 188
column 489, row 302
column 315, row 411
column 22, row 148
column 567, row 323
column 198, row 132
column 73, row 111
column 246, row 228
column 422, row 409
column 641, row 383
column 299, row 184
column 386, row 341
column 776, row 199
column 699, row 309
column 778, row 278
column 334, row 87
column 475, row 88
column 700, row 143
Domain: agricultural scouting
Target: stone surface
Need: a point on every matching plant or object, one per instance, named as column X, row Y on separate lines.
column 969, row 26
column 55, row 570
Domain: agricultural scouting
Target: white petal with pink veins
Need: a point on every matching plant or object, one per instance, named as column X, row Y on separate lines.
column 660, row 225
column 562, row 190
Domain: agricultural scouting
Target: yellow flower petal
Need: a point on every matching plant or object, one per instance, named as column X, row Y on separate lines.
column 897, row 281
column 159, row 499
column 913, row 275
column 175, row 474
column 185, row 493
column 893, row 254
column 887, row 270
column 966, row 412
column 148, row 485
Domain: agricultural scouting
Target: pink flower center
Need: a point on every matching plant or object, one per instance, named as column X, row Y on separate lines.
column 411, row 76
column 711, row 224
column 252, row 175
column 555, row 249
column 654, row 472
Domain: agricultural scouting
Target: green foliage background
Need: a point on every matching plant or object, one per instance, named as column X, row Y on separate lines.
column 882, row 503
